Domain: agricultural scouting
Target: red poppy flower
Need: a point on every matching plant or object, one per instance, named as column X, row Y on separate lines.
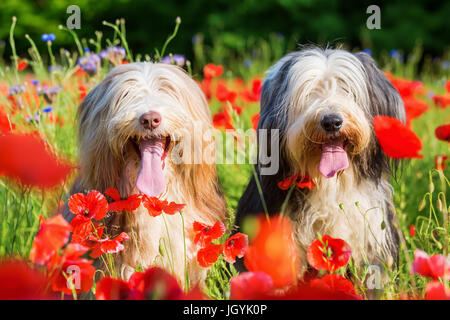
column 53, row 234
column 396, row 140
column 305, row 182
column 237, row 109
column 436, row 266
column 71, row 263
column 83, row 90
column 436, row 290
column 333, row 282
column 412, row 231
column 80, row 71
column 254, row 94
column 235, row 247
column 156, row 206
column 22, row 64
column 92, row 206
column 223, row 94
column 116, row 289
column 156, row 284
column 26, row 158
column 249, row 285
column 21, row 282
column 208, row 255
column 212, row 71
column 328, row 253
column 204, row 234
column 223, row 119
column 407, row 88
column 107, row 245
column 84, row 230
column 442, row 101
column 274, row 251
column 439, row 161
column 112, row 289
column 255, row 120
column 443, row 132
column 205, row 86
column 6, row 126
column 414, row 108
column 130, row 204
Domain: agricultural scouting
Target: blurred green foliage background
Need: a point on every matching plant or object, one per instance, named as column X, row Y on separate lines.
column 237, row 24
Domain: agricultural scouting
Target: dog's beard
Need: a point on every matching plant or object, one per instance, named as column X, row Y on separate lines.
column 313, row 151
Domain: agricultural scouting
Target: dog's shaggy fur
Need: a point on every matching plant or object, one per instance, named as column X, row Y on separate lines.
column 300, row 90
column 110, row 133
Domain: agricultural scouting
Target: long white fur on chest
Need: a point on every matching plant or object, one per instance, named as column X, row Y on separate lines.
column 345, row 209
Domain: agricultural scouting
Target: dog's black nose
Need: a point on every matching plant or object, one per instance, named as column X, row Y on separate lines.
column 150, row 120
column 331, row 122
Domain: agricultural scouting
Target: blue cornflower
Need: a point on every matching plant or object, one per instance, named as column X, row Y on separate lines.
column 87, row 50
column 48, row 109
column 48, row 37
column 395, row 54
column 368, row 51
column 248, row 63
column 35, row 82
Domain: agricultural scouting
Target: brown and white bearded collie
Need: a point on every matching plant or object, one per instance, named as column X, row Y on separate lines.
column 141, row 130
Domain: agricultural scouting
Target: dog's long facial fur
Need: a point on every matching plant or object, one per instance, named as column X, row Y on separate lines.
column 109, row 136
column 299, row 91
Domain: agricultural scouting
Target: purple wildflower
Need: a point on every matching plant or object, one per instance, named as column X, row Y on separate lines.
column 90, row 63
column 48, row 93
column 177, row 59
column 115, row 55
column 16, row 89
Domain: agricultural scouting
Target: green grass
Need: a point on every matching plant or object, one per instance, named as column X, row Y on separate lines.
column 20, row 208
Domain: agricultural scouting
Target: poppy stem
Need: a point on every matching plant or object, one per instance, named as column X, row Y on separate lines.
column 170, row 254
column 258, row 185
column 186, row 272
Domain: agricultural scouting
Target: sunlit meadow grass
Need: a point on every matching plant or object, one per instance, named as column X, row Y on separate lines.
column 420, row 190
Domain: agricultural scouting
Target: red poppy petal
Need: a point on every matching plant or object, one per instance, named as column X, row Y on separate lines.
column 97, row 205
column 27, row 159
column 77, row 203
column 173, row 208
column 235, row 247
column 113, row 193
column 443, row 132
column 208, row 255
column 396, row 140
column 436, row 290
column 53, row 234
column 247, row 285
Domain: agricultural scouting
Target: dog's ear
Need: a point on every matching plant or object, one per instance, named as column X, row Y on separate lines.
column 199, row 182
column 100, row 168
column 384, row 99
column 273, row 117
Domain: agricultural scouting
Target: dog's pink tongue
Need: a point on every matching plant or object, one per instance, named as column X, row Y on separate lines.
column 150, row 179
column 334, row 159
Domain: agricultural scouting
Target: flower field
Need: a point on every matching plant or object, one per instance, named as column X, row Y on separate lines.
column 39, row 96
